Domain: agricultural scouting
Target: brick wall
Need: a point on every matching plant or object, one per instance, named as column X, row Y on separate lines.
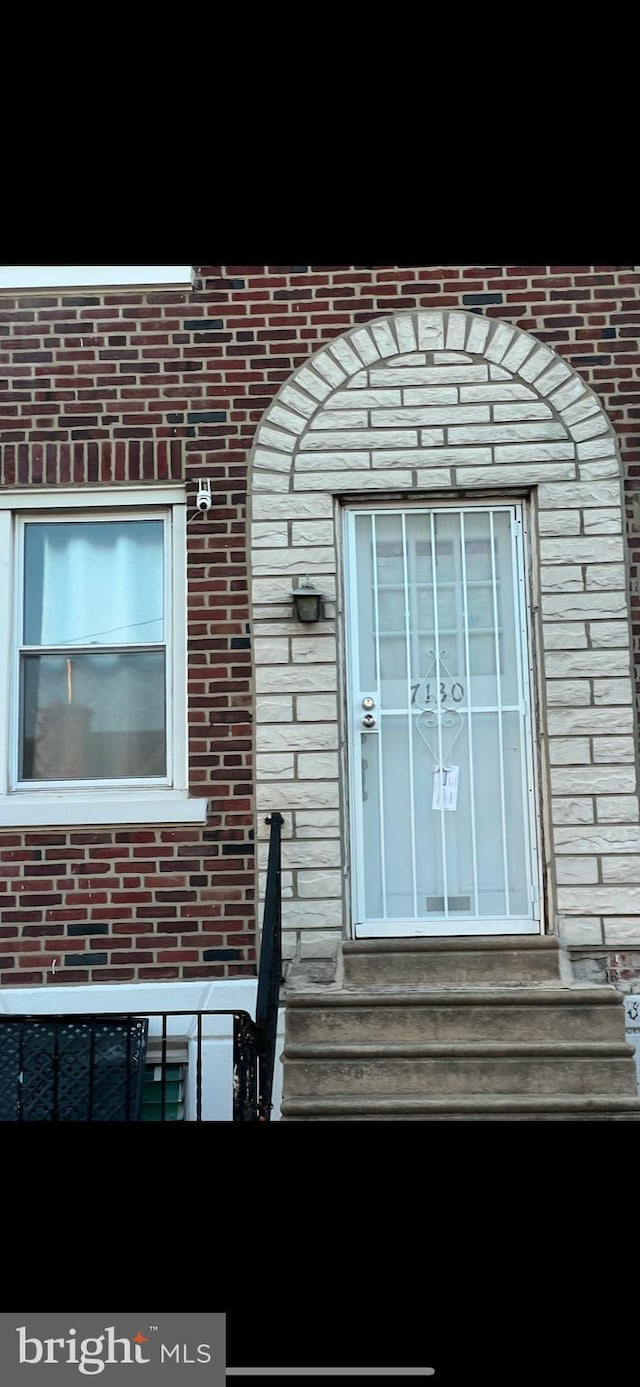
column 130, row 387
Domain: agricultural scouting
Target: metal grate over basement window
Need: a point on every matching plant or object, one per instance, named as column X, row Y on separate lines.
column 71, row 1068
column 164, row 1100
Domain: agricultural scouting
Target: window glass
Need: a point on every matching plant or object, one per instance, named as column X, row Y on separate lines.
column 88, row 712
column 92, row 717
column 93, row 583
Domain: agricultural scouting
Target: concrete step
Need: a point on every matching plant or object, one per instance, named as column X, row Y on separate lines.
column 494, row 961
column 499, row 1014
column 457, row 1029
column 562, row 1107
column 452, row 1070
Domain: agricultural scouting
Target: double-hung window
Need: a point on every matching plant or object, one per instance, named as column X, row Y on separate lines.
column 92, row 624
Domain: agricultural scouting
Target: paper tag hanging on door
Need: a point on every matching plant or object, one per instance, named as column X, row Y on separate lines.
column 445, row 787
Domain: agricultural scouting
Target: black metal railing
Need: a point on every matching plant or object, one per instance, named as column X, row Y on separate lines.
column 269, row 972
column 89, row 1068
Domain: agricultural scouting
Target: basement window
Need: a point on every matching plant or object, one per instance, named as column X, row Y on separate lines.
column 165, row 1085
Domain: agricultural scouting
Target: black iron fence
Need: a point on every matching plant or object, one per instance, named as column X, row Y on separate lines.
column 89, row 1068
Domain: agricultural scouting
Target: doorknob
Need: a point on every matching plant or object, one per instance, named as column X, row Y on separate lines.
column 368, row 721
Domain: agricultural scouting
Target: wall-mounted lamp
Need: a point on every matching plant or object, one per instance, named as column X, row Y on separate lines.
column 307, row 601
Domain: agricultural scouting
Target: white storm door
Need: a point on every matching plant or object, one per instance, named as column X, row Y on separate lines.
column 442, row 786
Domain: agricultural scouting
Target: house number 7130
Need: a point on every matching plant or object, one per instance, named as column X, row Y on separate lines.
column 451, row 690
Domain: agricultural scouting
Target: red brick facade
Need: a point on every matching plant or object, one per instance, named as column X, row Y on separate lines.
column 134, row 387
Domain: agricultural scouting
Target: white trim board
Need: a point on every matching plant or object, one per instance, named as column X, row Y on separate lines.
column 99, row 276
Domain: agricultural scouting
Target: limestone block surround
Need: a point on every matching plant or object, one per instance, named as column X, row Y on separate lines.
column 425, row 406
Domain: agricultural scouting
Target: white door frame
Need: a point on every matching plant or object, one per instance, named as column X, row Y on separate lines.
column 453, row 925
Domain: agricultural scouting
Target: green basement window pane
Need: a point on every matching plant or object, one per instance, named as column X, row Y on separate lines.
column 174, row 1093
column 175, row 1081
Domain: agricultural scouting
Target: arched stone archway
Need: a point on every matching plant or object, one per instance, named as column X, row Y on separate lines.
column 434, row 405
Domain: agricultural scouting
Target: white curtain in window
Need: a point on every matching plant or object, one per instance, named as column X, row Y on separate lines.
column 93, row 713
column 94, row 583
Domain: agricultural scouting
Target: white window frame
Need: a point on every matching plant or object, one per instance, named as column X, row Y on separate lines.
column 99, row 276
column 99, row 804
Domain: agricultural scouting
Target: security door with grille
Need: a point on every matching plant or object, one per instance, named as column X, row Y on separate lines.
column 443, row 800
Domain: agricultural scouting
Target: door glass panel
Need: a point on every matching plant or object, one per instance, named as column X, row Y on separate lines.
column 514, row 812
column 372, row 829
column 390, row 592
column 397, row 844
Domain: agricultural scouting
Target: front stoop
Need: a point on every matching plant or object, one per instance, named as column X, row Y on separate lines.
column 457, row 1030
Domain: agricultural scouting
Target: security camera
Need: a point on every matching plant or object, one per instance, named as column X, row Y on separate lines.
column 203, row 499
